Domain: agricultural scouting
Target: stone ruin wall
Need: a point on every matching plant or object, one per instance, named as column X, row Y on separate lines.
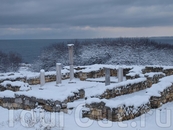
column 99, row 111
column 28, row 103
column 148, row 69
column 99, row 73
column 166, row 96
column 19, row 102
column 93, row 74
column 36, row 80
column 130, row 88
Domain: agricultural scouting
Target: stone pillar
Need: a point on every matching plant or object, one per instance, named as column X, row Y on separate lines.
column 70, row 47
column 120, row 74
column 107, row 76
column 42, row 77
column 58, row 73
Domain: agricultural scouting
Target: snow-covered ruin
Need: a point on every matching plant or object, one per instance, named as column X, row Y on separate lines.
column 116, row 102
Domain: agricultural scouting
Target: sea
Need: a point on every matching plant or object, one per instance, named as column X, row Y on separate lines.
column 30, row 49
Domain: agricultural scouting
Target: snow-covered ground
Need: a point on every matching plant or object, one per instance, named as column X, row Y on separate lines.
column 38, row 119
column 156, row 119
column 21, row 119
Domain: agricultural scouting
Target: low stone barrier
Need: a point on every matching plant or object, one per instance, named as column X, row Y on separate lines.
column 90, row 72
column 132, row 76
column 153, row 78
column 131, row 86
column 123, row 88
column 14, row 86
column 164, row 92
column 25, row 102
column 152, row 69
column 35, row 78
column 168, row 71
column 48, row 78
column 116, row 112
column 166, row 96
column 157, row 95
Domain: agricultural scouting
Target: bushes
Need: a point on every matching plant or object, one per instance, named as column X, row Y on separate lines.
column 9, row 62
column 128, row 51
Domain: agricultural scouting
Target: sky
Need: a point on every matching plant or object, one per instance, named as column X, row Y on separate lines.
column 76, row 19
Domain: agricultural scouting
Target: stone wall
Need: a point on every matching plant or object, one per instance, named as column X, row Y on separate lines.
column 167, row 71
column 154, row 79
column 152, row 69
column 130, row 88
column 14, row 86
column 99, row 73
column 128, row 76
column 166, row 96
column 25, row 102
column 99, row 111
column 48, row 78
column 36, row 80
column 9, row 87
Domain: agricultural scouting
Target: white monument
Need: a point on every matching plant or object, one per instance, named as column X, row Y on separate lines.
column 70, row 47
column 120, row 74
column 107, row 76
column 58, row 73
column 42, row 77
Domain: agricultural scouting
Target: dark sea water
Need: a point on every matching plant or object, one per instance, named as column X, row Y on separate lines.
column 31, row 49
column 167, row 40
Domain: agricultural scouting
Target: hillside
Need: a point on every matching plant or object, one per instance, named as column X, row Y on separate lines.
column 126, row 51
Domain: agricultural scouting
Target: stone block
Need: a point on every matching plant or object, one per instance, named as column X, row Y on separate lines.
column 18, row 100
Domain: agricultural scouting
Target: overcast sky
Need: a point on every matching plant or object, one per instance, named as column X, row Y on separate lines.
column 59, row 19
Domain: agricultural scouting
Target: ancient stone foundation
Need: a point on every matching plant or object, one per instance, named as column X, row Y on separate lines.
column 99, row 110
column 99, row 73
column 25, row 102
column 128, row 87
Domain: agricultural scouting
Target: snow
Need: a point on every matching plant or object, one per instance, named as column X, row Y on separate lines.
column 157, row 88
column 135, row 99
column 93, row 100
column 100, row 88
column 53, row 92
column 157, row 119
column 151, row 74
column 96, row 67
column 127, row 82
column 167, row 79
column 23, row 86
column 164, row 83
column 102, row 79
column 42, row 71
column 11, row 76
column 27, row 74
column 70, row 44
column 7, row 93
column 73, row 118
column 58, row 64
column 167, row 67
column 137, row 69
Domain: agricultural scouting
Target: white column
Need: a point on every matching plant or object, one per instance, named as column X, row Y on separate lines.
column 58, row 73
column 42, row 77
column 70, row 47
column 120, row 74
column 107, row 76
